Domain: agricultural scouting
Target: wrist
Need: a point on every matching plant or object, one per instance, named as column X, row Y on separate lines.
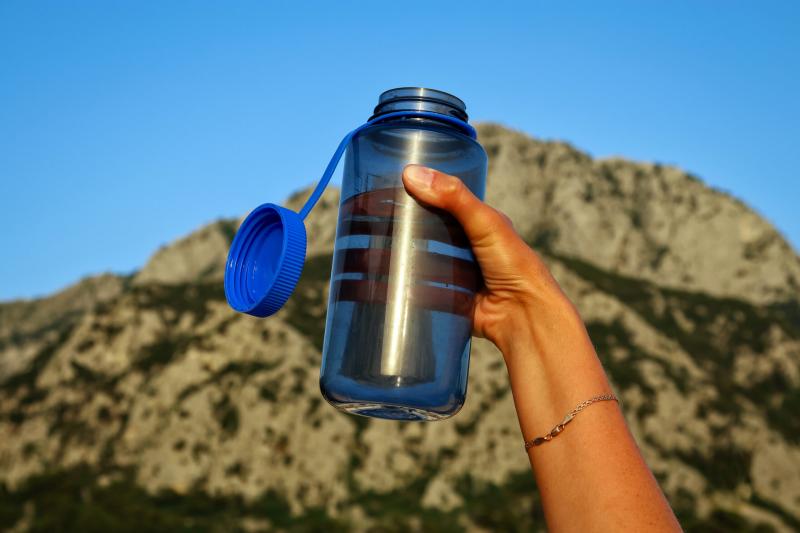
column 539, row 327
column 552, row 364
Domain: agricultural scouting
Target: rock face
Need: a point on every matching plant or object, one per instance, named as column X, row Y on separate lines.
column 645, row 220
column 147, row 401
column 195, row 257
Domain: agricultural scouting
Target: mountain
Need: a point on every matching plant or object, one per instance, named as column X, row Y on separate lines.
column 145, row 403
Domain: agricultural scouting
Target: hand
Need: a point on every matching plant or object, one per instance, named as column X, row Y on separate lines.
column 519, row 291
column 592, row 477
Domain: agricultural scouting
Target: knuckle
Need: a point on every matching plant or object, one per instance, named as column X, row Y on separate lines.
column 506, row 218
column 497, row 220
column 449, row 184
column 452, row 189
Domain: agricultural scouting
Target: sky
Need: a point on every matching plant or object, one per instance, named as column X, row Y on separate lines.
column 125, row 125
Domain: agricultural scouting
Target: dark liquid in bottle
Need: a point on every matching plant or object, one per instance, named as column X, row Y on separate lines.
column 404, row 267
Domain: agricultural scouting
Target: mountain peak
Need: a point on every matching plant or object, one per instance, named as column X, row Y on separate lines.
column 640, row 219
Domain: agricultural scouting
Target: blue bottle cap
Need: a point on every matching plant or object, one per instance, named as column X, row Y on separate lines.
column 265, row 260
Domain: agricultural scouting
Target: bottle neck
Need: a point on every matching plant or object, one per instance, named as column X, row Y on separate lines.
column 425, row 118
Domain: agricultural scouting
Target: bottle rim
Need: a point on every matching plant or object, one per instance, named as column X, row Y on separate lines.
column 420, row 99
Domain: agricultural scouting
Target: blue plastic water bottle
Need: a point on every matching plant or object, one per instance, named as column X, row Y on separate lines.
column 403, row 282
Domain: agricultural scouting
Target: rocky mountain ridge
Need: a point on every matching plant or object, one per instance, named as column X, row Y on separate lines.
column 147, row 401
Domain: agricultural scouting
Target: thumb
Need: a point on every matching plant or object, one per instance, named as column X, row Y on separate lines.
column 483, row 225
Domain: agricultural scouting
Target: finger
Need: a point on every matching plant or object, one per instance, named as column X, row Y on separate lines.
column 481, row 223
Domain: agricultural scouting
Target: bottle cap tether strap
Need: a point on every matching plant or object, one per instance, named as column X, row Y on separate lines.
column 267, row 254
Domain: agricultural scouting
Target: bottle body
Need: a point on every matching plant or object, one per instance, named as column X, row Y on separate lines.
column 403, row 280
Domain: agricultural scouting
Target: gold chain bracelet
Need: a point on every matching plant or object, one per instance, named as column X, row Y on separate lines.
column 538, row 441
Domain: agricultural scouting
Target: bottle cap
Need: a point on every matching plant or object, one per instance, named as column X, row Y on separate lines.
column 265, row 260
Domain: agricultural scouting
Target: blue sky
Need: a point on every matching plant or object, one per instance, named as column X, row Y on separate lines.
column 124, row 125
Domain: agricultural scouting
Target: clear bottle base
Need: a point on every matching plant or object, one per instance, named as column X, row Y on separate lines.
column 390, row 412
column 392, row 403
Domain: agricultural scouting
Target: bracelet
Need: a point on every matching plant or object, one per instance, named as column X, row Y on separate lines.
column 538, row 441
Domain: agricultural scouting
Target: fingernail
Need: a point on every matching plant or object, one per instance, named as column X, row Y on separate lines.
column 420, row 176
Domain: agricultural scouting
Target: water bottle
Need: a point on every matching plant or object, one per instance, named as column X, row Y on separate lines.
column 403, row 279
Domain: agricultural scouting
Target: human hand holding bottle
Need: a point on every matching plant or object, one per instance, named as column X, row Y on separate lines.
column 592, row 477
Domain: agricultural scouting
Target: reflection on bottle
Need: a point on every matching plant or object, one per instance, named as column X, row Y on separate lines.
column 364, row 360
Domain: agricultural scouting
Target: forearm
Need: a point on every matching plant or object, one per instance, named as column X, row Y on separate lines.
column 591, row 476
